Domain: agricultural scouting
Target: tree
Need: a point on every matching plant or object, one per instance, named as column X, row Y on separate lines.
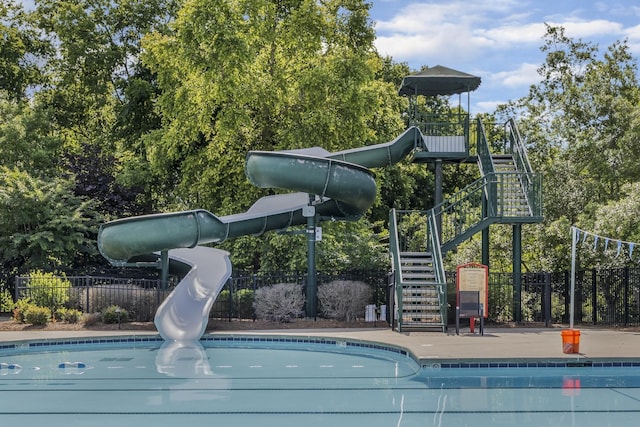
column 261, row 75
column 43, row 225
column 100, row 94
column 21, row 51
column 581, row 127
column 27, row 140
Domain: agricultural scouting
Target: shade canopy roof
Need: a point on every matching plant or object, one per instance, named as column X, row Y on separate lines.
column 438, row 80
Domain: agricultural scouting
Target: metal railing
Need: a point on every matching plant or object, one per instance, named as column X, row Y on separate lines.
column 605, row 297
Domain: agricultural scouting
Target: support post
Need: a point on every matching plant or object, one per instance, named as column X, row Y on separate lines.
column 547, row 299
column 312, row 286
column 572, row 292
column 164, row 268
column 517, row 272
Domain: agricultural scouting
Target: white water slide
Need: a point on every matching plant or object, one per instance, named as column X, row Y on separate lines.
column 184, row 314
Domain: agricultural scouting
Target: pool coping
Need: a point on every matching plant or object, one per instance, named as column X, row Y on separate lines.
column 367, row 339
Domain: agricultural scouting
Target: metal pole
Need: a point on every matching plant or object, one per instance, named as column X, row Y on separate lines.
column 164, row 265
column 517, row 271
column 574, row 238
column 312, row 286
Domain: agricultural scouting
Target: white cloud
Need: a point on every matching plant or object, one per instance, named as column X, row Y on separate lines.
column 487, row 106
column 440, row 32
column 523, row 76
column 588, row 29
column 508, row 34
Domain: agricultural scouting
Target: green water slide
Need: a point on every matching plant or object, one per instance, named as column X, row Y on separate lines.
column 341, row 182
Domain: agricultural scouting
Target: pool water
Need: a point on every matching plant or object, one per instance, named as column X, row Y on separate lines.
column 275, row 381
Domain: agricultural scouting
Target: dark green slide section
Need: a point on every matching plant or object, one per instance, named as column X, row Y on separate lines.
column 342, row 185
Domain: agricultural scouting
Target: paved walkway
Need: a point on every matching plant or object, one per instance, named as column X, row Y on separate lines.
column 498, row 343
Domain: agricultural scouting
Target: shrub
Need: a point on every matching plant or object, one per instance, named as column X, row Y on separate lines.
column 37, row 315
column 244, row 303
column 280, row 302
column 343, row 300
column 20, row 309
column 48, row 290
column 221, row 306
column 69, row 315
column 6, row 301
column 114, row 314
column 90, row 319
column 140, row 304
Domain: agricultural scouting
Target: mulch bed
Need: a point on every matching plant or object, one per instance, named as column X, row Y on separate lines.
column 8, row 324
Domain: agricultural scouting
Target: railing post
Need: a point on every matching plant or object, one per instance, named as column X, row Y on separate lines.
column 626, row 296
column 547, row 299
column 517, row 273
column 594, row 298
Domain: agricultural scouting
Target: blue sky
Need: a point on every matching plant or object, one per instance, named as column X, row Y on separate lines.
column 497, row 40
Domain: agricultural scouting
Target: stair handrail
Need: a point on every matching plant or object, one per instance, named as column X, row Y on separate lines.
column 517, row 147
column 531, row 183
column 464, row 209
column 485, row 161
column 438, row 263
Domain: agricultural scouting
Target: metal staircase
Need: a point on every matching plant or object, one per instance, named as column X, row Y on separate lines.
column 421, row 288
column 507, row 192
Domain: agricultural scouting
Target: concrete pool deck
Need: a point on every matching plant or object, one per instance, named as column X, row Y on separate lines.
column 518, row 343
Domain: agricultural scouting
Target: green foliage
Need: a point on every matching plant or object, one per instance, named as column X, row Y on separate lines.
column 344, row 246
column 221, row 306
column 244, row 303
column 140, row 304
column 68, row 315
column 307, row 77
column 26, row 138
column 42, row 223
column 6, row 301
column 582, row 129
column 20, row 308
column 114, row 314
column 36, row 315
column 48, row 289
column 23, row 51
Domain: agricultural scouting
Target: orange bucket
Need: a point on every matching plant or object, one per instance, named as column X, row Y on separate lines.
column 570, row 341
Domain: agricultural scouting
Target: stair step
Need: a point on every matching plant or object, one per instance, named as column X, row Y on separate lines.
column 409, row 254
column 423, row 260
column 412, row 274
column 414, row 293
column 413, row 320
column 425, row 269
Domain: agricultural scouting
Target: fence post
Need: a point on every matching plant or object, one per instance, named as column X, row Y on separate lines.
column 594, row 298
column 254, row 288
column 86, row 293
column 15, row 289
column 626, row 296
column 547, row 299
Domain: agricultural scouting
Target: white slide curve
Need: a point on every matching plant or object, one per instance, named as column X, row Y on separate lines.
column 184, row 314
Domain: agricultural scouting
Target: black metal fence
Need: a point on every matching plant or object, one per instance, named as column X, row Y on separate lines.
column 142, row 297
column 236, row 299
column 608, row 297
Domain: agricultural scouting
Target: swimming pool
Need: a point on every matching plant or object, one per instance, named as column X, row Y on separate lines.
column 270, row 380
